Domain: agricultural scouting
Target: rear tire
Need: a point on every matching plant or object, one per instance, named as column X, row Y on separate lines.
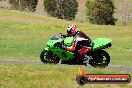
column 49, row 57
column 100, row 59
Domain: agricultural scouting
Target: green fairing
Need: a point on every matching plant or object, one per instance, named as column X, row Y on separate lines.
column 68, row 41
column 100, row 43
column 62, row 54
column 52, row 42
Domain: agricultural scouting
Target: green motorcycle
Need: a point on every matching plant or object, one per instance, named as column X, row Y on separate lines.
column 97, row 57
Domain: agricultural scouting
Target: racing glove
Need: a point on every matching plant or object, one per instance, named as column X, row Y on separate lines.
column 64, row 36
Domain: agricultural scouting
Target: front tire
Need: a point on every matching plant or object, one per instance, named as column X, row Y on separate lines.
column 100, row 59
column 48, row 57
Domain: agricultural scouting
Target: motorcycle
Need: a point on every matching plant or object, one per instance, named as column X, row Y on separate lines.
column 97, row 57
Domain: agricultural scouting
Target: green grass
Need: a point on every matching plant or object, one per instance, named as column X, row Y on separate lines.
column 24, row 35
column 49, row 76
column 26, row 41
column 23, row 40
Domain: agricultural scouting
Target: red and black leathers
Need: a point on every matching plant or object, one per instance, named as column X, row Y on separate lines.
column 82, row 43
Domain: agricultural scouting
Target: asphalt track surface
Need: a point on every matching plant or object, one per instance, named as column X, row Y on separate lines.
column 33, row 62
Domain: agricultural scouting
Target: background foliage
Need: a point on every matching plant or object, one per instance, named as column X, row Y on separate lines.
column 101, row 12
column 63, row 9
column 29, row 5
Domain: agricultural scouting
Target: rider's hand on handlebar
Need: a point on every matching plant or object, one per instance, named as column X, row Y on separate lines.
column 61, row 35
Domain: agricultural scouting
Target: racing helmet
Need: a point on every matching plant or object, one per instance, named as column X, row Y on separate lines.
column 71, row 30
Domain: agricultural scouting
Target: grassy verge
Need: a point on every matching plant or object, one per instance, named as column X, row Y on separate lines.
column 48, row 76
column 26, row 40
column 21, row 40
column 24, row 35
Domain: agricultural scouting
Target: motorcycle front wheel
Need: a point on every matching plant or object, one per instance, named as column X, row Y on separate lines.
column 49, row 57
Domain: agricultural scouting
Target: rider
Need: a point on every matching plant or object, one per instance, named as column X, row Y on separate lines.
column 82, row 43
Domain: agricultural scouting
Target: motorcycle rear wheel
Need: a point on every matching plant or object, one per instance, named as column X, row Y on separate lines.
column 100, row 59
column 49, row 57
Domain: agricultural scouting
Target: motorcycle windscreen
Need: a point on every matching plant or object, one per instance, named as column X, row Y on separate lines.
column 68, row 41
column 100, row 43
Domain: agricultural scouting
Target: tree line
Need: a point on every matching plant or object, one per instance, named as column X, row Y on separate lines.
column 22, row 5
column 98, row 11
